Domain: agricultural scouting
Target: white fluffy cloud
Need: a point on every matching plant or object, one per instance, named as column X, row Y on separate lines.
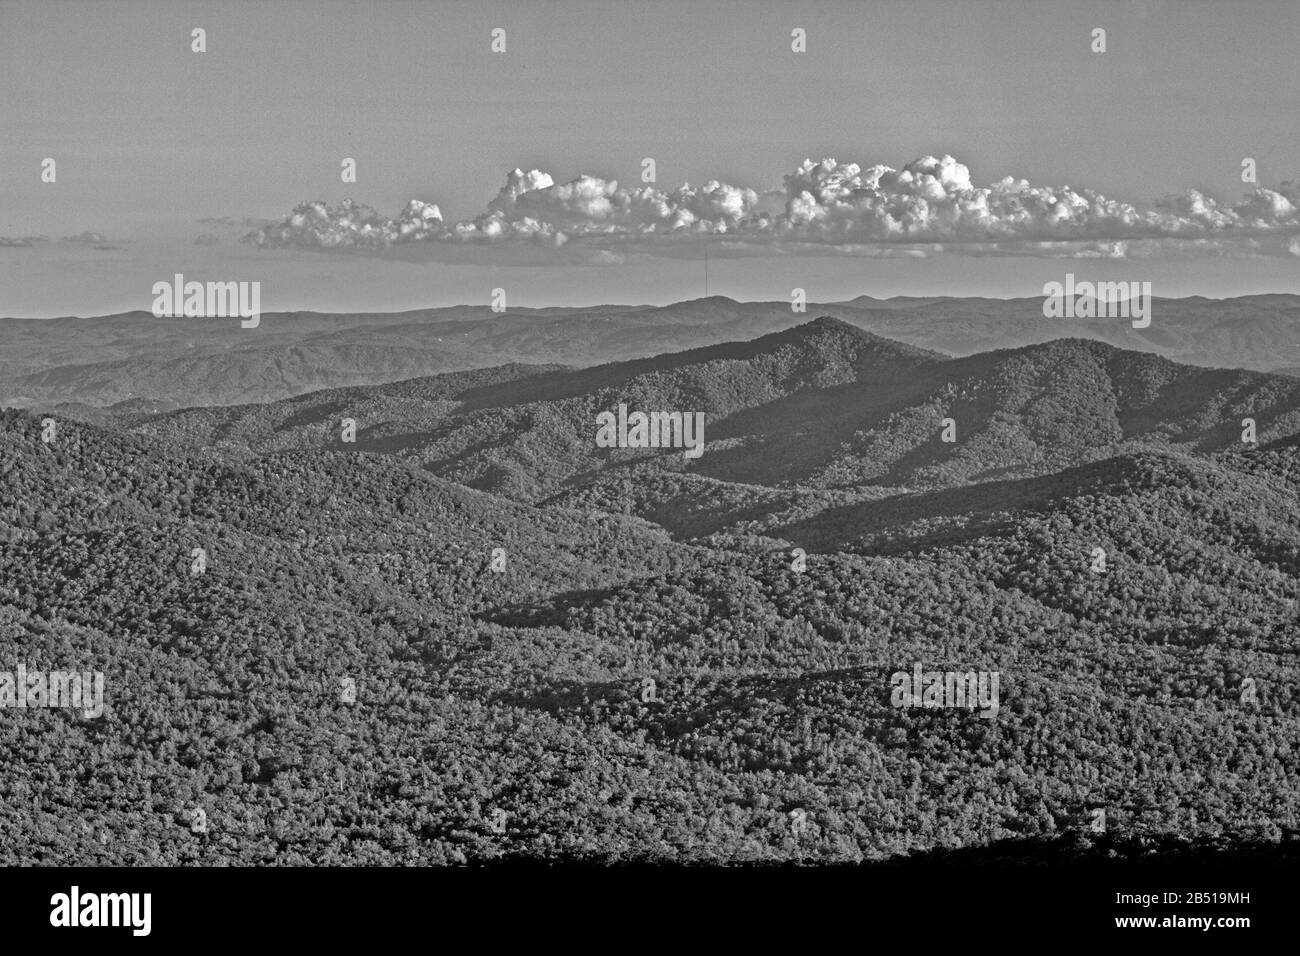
column 930, row 200
column 933, row 200
column 351, row 224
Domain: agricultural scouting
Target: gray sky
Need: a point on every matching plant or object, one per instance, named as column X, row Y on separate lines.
column 150, row 137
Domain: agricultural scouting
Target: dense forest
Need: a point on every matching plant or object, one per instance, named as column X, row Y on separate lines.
column 473, row 635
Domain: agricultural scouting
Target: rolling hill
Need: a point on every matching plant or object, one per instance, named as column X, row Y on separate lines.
column 821, row 406
column 474, row 635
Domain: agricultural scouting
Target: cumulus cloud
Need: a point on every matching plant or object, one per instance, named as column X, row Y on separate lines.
column 349, row 224
column 932, row 200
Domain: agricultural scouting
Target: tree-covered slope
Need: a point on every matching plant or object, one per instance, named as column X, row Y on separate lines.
column 394, row 654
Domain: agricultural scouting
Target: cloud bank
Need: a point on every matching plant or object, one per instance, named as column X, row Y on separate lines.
column 82, row 238
column 841, row 207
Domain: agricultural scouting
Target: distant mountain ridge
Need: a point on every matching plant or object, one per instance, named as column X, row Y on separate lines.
column 136, row 357
column 819, row 407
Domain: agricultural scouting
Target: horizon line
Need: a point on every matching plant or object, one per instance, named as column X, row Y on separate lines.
column 622, row 305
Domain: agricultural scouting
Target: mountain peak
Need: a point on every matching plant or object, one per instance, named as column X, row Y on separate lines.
column 830, row 322
column 826, row 327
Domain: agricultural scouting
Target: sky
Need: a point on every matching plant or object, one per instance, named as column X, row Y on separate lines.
column 166, row 157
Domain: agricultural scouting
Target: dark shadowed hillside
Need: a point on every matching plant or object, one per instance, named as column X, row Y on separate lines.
column 821, row 406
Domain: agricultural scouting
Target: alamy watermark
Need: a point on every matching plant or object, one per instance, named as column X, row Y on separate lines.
column 22, row 689
column 1098, row 300
column 945, row 689
column 208, row 300
column 75, row 908
column 651, row 430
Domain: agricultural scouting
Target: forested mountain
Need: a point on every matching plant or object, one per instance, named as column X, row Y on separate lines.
column 820, row 406
column 560, row 651
column 106, row 360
